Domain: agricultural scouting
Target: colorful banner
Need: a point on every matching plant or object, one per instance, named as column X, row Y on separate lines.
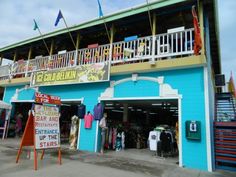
column 46, row 124
column 80, row 74
column 48, row 99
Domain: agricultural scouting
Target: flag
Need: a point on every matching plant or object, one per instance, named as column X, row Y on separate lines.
column 59, row 16
column 231, row 86
column 35, row 25
column 100, row 13
column 197, row 35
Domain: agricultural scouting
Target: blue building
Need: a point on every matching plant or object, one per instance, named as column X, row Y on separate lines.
column 149, row 72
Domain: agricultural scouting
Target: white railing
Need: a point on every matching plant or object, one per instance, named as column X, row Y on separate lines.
column 139, row 49
column 161, row 46
column 38, row 64
column 62, row 60
column 19, row 68
column 174, row 44
column 93, row 55
column 5, row 72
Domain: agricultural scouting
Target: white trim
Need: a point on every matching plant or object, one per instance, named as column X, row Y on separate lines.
column 179, row 98
column 73, row 100
column 207, row 118
column 96, row 139
column 22, row 101
column 180, row 146
column 78, row 138
column 139, row 98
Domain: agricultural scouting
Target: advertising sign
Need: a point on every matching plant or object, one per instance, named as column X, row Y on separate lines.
column 47, row 131
column 80, row 74
column 48, row 99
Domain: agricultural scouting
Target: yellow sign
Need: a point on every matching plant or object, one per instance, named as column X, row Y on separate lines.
column 81, row 74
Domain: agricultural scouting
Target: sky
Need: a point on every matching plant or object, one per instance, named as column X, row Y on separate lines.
column 16, row 20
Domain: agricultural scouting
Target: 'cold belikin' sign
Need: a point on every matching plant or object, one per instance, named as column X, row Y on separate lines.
column 97, row 72
column 47, row 132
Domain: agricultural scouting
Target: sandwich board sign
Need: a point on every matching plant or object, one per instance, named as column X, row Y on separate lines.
column 42, row 129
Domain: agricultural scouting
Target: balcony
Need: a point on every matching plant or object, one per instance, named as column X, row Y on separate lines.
column 145, row 49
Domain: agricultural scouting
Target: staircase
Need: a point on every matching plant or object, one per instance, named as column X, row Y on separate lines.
column 225, row 132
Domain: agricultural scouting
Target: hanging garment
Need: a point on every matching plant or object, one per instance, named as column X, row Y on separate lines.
column 118, row 142
column 114, row 138
column 154, row 137
column 98, row 111
column 123, row 140
column 88, row 119
column 164, row 141
column 81, row 111
column 110, row 138
column 73, row 132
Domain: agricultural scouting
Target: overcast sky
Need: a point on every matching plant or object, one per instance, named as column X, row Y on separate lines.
column 16, row 20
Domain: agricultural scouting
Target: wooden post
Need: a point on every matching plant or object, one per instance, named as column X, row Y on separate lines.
column 35, row 159
column 42, row 155
column 111, row 42
column 1, row 58
column 153, row 39
column 51, row 47
column 78, row 41
column 201, row 22
column 59, row 156
column 30, row 53
column 15, row 56
column 154, row 24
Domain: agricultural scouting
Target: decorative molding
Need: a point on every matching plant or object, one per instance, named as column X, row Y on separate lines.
column 165, row 90
column 26, row 87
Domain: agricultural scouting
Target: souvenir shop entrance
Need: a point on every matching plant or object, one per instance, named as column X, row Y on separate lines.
column 68, row 109
column 147, row 125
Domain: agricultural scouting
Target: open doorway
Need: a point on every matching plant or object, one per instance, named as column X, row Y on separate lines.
column 141, row 125
column 68, row 109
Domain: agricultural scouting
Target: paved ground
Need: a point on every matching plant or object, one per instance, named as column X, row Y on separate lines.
column 84, row 164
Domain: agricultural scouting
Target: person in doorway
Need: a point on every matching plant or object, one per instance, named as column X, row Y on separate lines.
column 103, row 126
column 18, row 128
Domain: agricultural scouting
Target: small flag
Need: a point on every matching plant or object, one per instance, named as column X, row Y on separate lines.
column 197, row 34
column 59, row 16
column 100, row 13
column 35, row 25
column 231, row 86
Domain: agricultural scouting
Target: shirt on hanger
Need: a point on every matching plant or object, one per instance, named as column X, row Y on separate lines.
column 88, row 119
column 81, row 111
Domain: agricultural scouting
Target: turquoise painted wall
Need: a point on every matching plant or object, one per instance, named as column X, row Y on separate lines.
column 189, row 82
column 190, row 85
column 90, row 92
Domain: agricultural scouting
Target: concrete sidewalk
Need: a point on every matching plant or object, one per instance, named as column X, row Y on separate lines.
column 84, row 164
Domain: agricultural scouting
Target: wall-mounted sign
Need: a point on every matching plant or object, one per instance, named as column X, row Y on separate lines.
column 46, row 124
column 81, row 74
column 193, row 130
column 48, row 99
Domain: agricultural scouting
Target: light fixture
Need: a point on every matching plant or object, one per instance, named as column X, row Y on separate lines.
column 109, row 107
column 139, row 109
column 152, row 113
column 109, row 104
column 156, row 104
column 117, row 111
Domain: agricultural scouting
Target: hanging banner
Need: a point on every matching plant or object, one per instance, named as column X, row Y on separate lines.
column 48, row 99
column 46, row 124
column 80, row 74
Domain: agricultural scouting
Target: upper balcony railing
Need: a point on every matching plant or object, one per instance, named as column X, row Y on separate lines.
column 158, row 47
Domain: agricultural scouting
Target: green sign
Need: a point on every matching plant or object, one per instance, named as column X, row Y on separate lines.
column 193, row 130
column 80, row 74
